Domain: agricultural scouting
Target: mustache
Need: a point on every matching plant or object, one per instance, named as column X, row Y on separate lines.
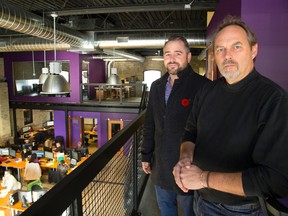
column 169, row 63
column 229, row 61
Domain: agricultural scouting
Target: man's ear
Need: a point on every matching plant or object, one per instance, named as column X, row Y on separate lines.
column 189, row 57
column 254, row 51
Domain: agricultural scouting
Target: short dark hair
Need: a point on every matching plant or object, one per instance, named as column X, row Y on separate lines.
column 33, row 157
column 178, row 38
column 234, row 20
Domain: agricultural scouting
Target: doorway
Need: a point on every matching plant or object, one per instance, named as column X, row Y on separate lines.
column 75, row 130
column 114, row 126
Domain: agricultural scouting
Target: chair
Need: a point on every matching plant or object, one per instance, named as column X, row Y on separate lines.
column 54, row 176
column 35, row 185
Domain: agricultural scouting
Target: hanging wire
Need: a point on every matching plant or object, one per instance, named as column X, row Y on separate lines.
column 54, row 15
column 44, row 58
column 33, row 63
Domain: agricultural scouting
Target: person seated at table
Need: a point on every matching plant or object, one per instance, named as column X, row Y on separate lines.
column 9, row 182
column 79, row 146
column 58, row 148
column 3, row 158
column 27, row 149
column 49, row 142
column 39, row 139
column 82, row 148
column 32, row 170
column 95, row 128
column 62, row 169
column 27, row 142
column 34, row 158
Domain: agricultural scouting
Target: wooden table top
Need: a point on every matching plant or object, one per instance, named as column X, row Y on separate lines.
column 5, row 203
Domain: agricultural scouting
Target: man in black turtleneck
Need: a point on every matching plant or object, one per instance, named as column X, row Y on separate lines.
column 235, row 145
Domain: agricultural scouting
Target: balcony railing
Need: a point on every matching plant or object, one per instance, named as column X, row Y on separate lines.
column 109, row 182
column 104, row 93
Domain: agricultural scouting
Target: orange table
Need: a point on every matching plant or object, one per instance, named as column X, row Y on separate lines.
column 17, row 207
column 78, row 163
column 14, row 164
column 54, row 165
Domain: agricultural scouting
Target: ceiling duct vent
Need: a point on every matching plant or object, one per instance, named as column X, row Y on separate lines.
column 122, row 39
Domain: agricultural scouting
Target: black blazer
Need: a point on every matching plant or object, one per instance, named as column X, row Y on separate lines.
column 164, row 124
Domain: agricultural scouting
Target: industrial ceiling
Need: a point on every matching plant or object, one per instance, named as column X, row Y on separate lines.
column 91, row 26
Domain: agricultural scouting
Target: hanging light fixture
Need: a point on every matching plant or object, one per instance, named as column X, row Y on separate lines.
column 55, row 83
column 114, row 79
column 45, row 71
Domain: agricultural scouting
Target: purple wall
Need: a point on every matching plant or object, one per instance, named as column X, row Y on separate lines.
column 75, row 60
column 127, row 118
column 96, row 74
column 268, row 20
column 59, row 125
column 223, row 8
column 102, row 122
column 96, row 71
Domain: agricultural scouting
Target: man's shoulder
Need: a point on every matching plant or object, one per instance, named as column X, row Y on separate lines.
column 269, row 85
column 197, row 77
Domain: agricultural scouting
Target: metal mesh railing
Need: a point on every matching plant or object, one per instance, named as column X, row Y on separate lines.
column 110, row 188
column 109, row 182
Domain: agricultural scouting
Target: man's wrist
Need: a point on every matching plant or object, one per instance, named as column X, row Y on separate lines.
column 204, row 179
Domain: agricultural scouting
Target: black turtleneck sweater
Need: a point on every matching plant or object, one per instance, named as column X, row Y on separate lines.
column 164, row 124
column 242, row 128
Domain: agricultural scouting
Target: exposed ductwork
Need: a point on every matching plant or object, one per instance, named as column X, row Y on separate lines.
column 123, row 54
column 27, row 23
column 32, row 46
column 147, row 41
column 24, row 22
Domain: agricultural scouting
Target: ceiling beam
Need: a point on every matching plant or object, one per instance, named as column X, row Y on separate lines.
column 139, row 8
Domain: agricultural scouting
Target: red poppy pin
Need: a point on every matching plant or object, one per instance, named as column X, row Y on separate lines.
column 185, row 102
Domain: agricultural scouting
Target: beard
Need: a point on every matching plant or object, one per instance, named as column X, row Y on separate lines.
column 174, row 70
column 229, row 73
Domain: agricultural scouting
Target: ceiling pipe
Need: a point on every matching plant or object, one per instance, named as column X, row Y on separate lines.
column 142, row 8
column 28, row 23
column 34, row 46
column 24, row 22
column 147, row 41
column 124, row 54
column 103, row 57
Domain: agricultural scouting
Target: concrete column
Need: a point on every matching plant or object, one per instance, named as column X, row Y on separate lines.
column 5, row 125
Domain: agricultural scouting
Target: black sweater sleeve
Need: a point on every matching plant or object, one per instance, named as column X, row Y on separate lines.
column 270, row 175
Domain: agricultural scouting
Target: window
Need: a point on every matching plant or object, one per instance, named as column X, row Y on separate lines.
column 150, row 76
